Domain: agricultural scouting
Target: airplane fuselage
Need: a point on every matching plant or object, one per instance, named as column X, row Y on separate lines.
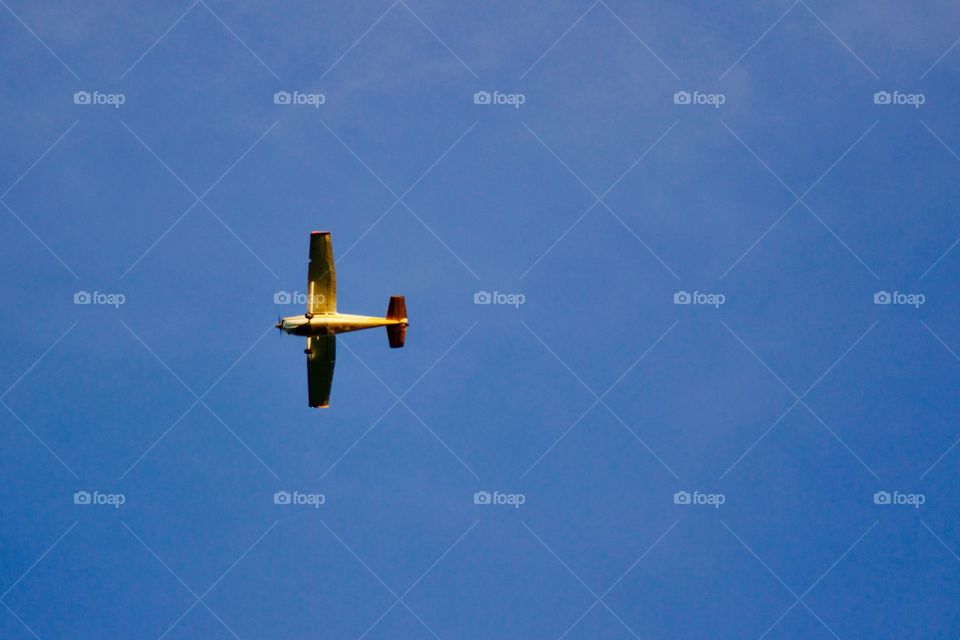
column 325, row 324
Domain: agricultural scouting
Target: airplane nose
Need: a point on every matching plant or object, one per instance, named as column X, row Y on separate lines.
column 279, row 324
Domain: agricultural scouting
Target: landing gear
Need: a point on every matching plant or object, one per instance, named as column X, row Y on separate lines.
column 308, row 315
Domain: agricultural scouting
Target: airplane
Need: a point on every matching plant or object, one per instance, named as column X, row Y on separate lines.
column 321, row 322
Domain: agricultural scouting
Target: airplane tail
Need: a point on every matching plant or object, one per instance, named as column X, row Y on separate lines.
column 397, row 310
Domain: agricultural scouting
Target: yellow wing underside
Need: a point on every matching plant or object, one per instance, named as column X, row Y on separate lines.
column 321, row 275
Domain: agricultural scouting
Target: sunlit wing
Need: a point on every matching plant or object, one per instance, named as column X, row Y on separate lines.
column 321, row 356
column 321, row 275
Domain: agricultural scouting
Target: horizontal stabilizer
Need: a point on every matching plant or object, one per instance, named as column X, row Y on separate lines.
column 397, row 334
column 397, row 311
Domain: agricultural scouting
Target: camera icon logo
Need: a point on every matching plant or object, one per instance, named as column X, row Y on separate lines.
column 81, row 97
column 482, row 297
column 82, row 297
column 481, row 97
column 881, row 97
column 882, row 297
column 281, row 497
column 681, row 297
column 681, row 97
column 282, row 297
column 881, row 497
column 681, row 497
column 281, row 97
column 481, row 497
column 81, row 497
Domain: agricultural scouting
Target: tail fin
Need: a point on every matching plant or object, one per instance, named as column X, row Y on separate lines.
column 397, row 310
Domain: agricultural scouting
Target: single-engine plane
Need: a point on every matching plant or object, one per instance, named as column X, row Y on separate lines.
column 321, row 323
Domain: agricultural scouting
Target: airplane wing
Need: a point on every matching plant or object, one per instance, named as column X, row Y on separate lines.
column 321, row 275
column 321, row 355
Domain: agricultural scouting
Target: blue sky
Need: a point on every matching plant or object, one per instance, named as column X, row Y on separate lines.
column 772, row 460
